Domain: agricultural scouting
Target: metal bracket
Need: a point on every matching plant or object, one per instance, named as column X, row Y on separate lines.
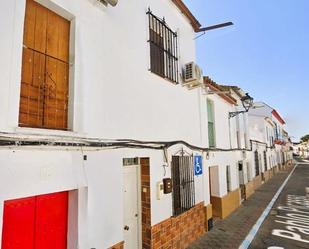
column 234, row 114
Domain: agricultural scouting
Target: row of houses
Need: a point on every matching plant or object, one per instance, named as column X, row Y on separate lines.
column 110, row 137
column 301, row 149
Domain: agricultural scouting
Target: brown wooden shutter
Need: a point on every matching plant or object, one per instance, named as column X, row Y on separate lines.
column 45, row 69
column 156, row 53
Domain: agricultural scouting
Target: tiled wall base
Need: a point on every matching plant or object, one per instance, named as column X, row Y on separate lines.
column 276, row 169
column 268, row 175
column 178, row 232
column 208, row 216
column 224, row 206
column 257, row 182
column 249, row 189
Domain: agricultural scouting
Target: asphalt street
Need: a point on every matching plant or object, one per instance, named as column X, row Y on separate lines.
column 287, row 224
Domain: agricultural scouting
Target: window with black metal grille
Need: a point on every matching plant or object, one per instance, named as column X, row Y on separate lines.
column 257, row 163
column 163, row 49
column 265, row 160
column 183, row 184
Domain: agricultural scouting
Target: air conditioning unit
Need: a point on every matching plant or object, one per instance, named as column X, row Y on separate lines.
column 193, row 75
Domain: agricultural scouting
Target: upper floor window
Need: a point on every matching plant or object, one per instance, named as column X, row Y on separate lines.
column 45, row 69
column 211, row 124
column 163, row 49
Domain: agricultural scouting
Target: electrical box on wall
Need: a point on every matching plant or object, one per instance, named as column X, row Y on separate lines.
column 167, row 185
column 160, row 189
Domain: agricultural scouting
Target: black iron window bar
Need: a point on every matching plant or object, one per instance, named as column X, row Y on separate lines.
column 163, row 49
column 257, row 163
column 183, row 184
column 265, row 160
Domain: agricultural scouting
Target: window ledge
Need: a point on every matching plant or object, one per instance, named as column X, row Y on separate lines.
column 47, row 132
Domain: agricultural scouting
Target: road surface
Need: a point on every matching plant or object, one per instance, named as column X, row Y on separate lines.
column 287, row 224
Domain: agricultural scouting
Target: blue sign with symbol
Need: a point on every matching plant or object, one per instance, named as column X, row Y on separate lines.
column 198, row 165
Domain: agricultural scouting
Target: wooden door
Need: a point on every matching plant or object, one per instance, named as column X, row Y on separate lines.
column 45, row 69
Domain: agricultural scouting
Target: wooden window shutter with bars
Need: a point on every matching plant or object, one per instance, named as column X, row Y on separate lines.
column 45, row 69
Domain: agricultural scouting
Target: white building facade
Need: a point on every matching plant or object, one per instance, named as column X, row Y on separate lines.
column 99, row 138
column 225, row 156
column 269, row 151
column 107, row 78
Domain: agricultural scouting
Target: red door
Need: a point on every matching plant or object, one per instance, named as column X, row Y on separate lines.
column 51, row 224
column 18, row 224
column 38, row 222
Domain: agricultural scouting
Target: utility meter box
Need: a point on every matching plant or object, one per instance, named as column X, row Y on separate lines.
column 167, row 185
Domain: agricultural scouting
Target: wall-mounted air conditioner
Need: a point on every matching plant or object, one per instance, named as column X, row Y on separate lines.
column 192, row 75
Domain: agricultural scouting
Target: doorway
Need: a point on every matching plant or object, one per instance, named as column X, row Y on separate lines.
column 132, row 207
column 214, row 192
column 241, row 176
column 36, row 222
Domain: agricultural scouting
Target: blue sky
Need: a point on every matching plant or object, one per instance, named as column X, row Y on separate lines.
column 266, row 52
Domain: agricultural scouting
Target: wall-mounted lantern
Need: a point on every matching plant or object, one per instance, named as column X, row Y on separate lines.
column 247, row 103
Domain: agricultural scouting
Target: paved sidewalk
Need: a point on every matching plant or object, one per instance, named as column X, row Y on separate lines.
column 230, row 232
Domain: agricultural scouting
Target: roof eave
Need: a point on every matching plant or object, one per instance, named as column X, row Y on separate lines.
column 214, row 86
column 185, row 10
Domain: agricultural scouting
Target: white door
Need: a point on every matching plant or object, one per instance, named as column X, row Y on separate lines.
column 131, row 209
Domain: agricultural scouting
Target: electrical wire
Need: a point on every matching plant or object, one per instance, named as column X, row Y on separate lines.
column 9, row 141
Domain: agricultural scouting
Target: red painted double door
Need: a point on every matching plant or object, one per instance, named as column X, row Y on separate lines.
column 38, row 222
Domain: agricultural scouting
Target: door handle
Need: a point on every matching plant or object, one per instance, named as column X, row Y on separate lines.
column 126, row 228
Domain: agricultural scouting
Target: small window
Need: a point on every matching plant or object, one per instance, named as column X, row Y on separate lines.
column 183, row 184
column 130, row 161
column 211, row 124
column 163, row 49
column 228, row 178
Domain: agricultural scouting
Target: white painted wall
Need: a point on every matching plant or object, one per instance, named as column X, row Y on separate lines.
column 222, row 159
column 30, row 172
column 225, row 133
column 115, row 95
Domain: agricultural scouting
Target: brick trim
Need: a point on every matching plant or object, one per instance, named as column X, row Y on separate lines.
column 146, row 203
column 178, row 232
column 119, row 245
column 224, row 206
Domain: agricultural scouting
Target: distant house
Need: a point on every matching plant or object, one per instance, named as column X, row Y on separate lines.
column 110, row 136
column 271, row 152
column 222, row 160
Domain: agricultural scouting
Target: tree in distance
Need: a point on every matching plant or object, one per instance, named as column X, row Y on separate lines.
column 305, row 138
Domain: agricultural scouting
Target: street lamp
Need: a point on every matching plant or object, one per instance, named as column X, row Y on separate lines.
column 217, row 26
column 247, row 103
